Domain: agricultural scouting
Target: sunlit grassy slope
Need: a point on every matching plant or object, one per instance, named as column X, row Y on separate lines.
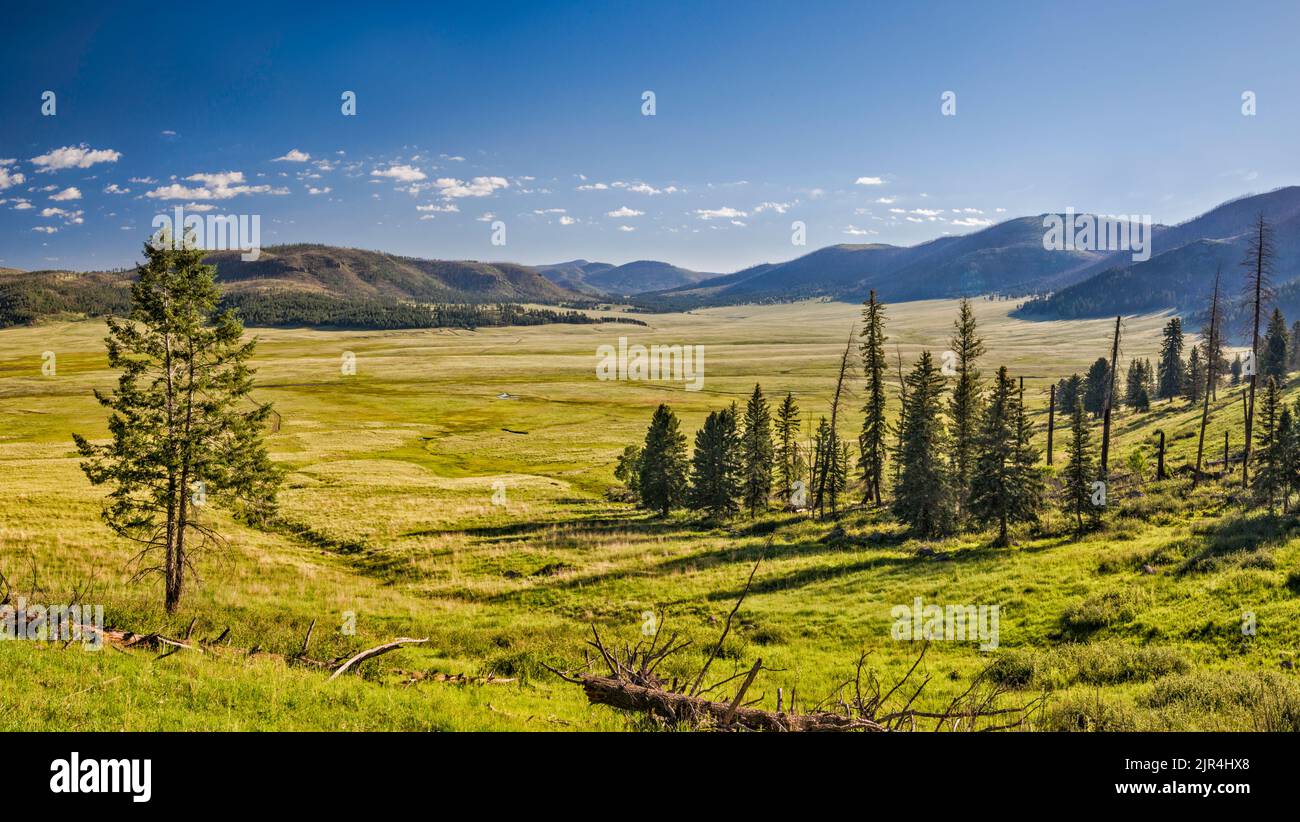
column 389, row 500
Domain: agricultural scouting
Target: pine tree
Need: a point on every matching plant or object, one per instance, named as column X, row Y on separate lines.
column 182, row 435
column 1194, row 380
column 1288, row 455
column 1136, row 393
column 1079, row 472
column 1095, row 385
column 788, row 458
column 716, row 465
column 1293, row 349
column 628, row 467
column 964, row 405
column 756, row 453
column 1235, row 370
column 1005, row 486
column 661, row 483
column 1169, row 378
column 1069, row 393
column 1269, row 478
column 1273, row 359
column 871, row 441
column 924, row 498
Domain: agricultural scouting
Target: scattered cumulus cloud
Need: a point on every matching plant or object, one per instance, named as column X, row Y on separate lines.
column 81, row 156
column 294, row 156
column 214, row 186
column 724, row 213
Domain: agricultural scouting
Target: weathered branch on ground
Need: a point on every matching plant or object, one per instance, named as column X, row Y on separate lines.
column 631, row 685
column 374, row 652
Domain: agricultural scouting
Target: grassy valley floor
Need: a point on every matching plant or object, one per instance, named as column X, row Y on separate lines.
column 454, row 488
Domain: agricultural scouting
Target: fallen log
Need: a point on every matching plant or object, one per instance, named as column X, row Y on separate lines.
column 374, row 652
column 678, row 707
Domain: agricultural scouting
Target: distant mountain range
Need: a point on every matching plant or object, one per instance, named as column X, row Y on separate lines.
column 625, row 280
column 1007, row 259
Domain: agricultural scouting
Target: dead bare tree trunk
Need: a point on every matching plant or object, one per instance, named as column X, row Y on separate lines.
column 1212, row 355
column 1110, row 400
column 832, row 446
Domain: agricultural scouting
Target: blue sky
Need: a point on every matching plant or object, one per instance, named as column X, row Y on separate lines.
column 766, row 113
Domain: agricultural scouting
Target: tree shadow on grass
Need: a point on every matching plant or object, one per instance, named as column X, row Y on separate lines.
column 1242, row 539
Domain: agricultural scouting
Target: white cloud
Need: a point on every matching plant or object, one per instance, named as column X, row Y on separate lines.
column 487, row 217
column 21, row 204
column 69, row 193
column 46, row 229
column 626, row 228
column 549, row 211
column 886, row 200
column 81, row 156
column 404, row 174
column 973, row 222
column 566, row 220
column 592, row 187
column 8, row 179
column 451, row 188
column 114, row 188
column 638, row 188
column 69, row 217
column 200, row 208
column 313, row 190
column 144, row 181
column 215, row 186
column 779, row 208
column 449, row 208
column 858, row 232
column 624, row 212
column 726, row 212
column 294, row 156
column 869, row 181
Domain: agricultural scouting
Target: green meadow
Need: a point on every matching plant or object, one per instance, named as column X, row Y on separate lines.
column 456, row 487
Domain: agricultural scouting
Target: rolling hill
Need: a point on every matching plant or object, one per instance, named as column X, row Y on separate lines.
column 299, row 284
column 1180, row 273
column 624, row 280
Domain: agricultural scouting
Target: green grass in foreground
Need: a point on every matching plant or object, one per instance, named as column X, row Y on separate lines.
column 389, row 493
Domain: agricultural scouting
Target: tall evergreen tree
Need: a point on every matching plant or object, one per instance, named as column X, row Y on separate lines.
column 1270, row 479
column 871, row 441
column 1293, row 348
column 1273, row 359
column 1080, row 472
column 1137, row 394
column 924, row 497
column 1005, row 486
column 1170, row 372
column 756, row 453
column 789, row 461
column 716, row 465
column 1194, row 380
column 1095, row 386
column 662, row 481
column 964, row 405
column 1069, row 393
column 182, row 434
